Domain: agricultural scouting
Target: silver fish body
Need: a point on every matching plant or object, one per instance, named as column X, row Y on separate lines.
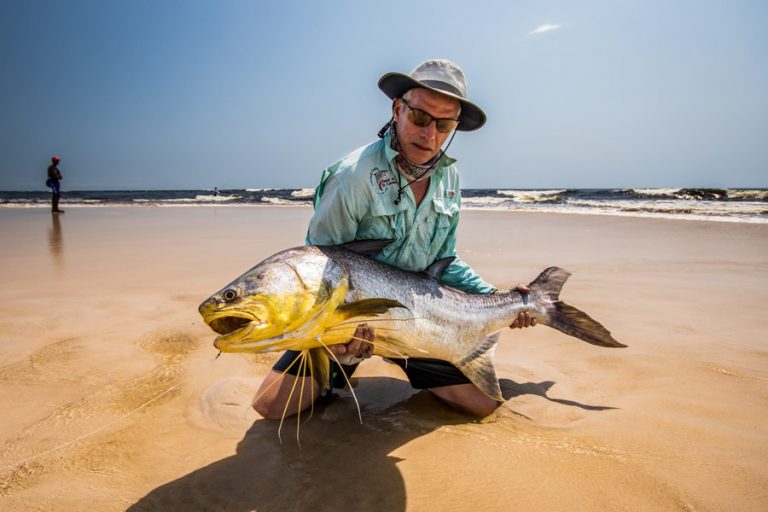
column 310, row 297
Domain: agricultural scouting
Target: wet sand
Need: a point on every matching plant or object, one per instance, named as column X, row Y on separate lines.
column 113, row 398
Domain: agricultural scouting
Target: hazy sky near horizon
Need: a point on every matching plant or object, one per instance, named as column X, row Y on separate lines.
column 153, row 94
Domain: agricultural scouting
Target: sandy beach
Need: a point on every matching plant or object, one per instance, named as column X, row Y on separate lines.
column 113, row 397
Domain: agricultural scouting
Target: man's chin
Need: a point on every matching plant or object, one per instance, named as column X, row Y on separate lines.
column 420, row 156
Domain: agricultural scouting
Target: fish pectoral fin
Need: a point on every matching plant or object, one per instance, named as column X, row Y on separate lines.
column 366, row 307
column 477, row 366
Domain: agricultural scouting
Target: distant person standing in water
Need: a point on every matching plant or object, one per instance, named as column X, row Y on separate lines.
column 54, row 181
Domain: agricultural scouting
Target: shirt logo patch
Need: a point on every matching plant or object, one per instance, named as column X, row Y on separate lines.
column 381, row 179
column 450, row 193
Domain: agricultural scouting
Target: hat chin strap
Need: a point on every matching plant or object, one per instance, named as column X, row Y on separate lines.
column 385, row 128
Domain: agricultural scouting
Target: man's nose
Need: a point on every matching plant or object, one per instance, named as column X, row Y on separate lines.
column 430, row 130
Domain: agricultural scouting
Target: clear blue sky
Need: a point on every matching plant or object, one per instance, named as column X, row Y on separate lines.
column 147, row 94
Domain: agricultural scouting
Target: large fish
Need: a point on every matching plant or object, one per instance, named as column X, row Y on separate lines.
column 311, row 297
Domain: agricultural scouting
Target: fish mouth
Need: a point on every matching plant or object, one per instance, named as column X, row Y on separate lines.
column 232, row 325
column 229, row 324
column 232, row 329
column 237, row 325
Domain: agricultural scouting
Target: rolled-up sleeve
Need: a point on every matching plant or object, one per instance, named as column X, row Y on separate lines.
column 459, row 274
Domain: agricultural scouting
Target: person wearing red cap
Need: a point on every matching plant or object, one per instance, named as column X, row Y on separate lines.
column 54, row 182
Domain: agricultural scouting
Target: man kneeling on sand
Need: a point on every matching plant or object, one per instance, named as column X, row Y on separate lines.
column 405, row 188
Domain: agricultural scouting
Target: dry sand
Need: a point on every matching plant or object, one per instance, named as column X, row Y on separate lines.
column 112, row 397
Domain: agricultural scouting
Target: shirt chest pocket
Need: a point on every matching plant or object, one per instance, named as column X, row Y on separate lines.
column 382, row 223
column 444, row 211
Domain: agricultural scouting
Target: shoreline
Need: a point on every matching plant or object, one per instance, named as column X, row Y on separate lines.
column 522, row 210
column 709, row 204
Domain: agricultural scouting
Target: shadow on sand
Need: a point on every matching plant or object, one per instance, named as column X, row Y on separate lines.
column 511, row 389
column 341, row 464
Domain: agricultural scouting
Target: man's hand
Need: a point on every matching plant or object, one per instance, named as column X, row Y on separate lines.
column 523, row 319
column 359, row 347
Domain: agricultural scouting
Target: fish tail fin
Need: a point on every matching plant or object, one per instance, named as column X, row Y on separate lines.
column 566, row 318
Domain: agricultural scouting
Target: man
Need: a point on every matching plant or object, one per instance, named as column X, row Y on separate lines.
column 54, row 182
column 405, row 188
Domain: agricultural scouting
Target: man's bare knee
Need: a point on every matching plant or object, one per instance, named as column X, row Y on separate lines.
column 467, row 398
column 280, row 390
column 267, row 408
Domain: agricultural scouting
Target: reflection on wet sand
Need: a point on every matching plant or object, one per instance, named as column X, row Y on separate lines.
column 56, row 241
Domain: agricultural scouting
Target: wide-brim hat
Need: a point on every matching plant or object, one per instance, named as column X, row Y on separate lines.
column 442, row 76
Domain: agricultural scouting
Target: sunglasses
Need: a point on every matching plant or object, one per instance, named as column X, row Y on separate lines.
column 422, row 119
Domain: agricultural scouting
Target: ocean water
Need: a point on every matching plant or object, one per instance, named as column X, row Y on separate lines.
column 724, row 205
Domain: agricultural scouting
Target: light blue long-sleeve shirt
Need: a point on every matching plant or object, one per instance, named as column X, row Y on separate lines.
column 356, row 201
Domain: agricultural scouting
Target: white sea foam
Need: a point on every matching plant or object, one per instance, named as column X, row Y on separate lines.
column 305, row 192
column 757, row 195
column 600, row 208
column 483, row 201
column 665, row 192
column 200, row 198
column 531, row 196
column 738, row 211
column 219, row 198
column 275, row 200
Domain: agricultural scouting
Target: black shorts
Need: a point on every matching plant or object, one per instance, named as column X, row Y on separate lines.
column 422, row 373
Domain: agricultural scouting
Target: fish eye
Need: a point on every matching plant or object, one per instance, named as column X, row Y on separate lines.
column 229, row 295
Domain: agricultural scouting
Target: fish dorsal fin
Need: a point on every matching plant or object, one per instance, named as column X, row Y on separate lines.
column 435, row 270
column 477, row 366
column 370, row 248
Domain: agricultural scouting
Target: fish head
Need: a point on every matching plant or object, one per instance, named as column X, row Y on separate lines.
column 277, row 305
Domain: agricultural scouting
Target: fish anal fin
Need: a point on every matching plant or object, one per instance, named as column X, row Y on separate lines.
column 477, row 366
column 482, row 374
column 481, row 348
